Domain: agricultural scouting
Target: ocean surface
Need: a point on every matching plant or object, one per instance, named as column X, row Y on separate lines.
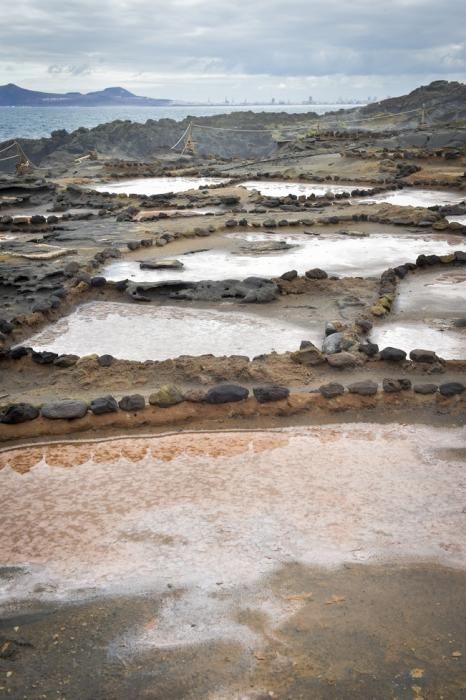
column 35, row 122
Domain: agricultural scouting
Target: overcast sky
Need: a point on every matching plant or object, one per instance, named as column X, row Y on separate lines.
column 240, row 49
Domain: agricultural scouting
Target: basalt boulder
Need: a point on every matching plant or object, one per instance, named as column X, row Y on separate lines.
column 226, row 393
column 451, row 388
column 332, row 390
column 364, row 388
column 425, row 389
column 393, row 354
column 67, row 409
column 19, row 413
column 104, row 404
column 272, row 392
column 133, row 402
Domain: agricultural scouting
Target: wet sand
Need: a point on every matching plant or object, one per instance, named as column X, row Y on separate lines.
column 323, row 562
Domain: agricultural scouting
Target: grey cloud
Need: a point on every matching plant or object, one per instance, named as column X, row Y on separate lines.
column 254, row 37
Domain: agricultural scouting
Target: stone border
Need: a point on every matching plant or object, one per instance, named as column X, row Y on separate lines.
column 450, row 397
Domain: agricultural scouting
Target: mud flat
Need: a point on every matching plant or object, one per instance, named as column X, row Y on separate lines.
column 347, row 255
column 322, row 562
column 141, row 333
column 158, row 185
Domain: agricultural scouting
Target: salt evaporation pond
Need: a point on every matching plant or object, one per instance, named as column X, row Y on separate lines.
column 276, row 188
column 409, row 335
column 202, row 511
column 133, row 332
column 336, row 254
column 425, row 306
column 158, row 185
column 414, row 197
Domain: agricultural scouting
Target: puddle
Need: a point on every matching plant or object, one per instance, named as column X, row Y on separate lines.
column 275, row 188
column 413, row 197
column 338, row 255
column 205, row 513
column 158, row 185
column 133, row 332
column 409, row 335
column 432, row 293
column 457, row 219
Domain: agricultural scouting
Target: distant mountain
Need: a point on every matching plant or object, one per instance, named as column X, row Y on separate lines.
column 14, row 96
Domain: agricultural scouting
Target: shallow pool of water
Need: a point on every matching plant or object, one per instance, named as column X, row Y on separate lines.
column 338, row 255
column 133, row 332
column 439, row 294
column 460, row 219
column 409, row 335
column 276, row 188
column 214, row 513
column 414, row 197
column 158, row 185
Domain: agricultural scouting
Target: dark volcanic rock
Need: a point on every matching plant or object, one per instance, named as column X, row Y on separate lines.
column 105, row 360
column 369, row 349
column 65, row 361
column 364, row 388
column 19, row 413
column 272, row 392
column 290, row 275
column 316, row 274
column 18, row 352
column 451, row 388
column 104, row 404
column 428, row 356
column 393, row 386
column 64, row 409
column 392, row 354
column 425, row 388
column 5, row 326
column 134, row 402
column 331, row 390
column 226, row 393
column 44, row 358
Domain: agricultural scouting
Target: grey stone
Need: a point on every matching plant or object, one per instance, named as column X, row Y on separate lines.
column 134, row 402
column 44, row 358
column 364, row 388
column 104, row 404
column 342, row 360
column 428, row 356
column 195, row 395
column 68, row 409
column 19, row 413
column 332, row 343
column 105, row 360
column 316, row 274
column 369, row 349
column 271, row 392
column 331, row 390
column 66, row 361
column 393, row 354
column 425, row 388
column 393, row 386
column 290, row 275
column 226, row 393
column 451, row 388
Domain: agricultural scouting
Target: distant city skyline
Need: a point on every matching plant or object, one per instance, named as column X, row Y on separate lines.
column 197, row 50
